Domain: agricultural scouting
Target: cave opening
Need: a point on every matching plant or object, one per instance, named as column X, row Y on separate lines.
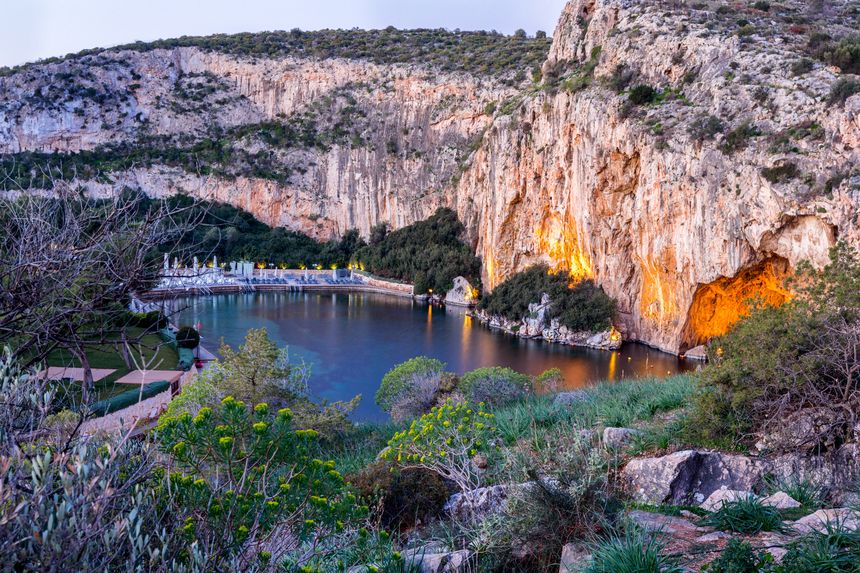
column 719, row 304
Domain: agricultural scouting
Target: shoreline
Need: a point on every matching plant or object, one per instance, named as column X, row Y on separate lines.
column 158, row 294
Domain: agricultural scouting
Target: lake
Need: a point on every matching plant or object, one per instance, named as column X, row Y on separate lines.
column 352, row 339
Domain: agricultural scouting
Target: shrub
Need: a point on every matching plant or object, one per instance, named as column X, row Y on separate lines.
column 706, row 127
column 739, row 557
column 746, row 515
column 762, row 5
column 780, row 173
column 187, row 337
column 621, row 77
column 845, row 54
column 582, row 307
column 739, row 137
column 494, row 385
column 410, row 388
column 444, row 441
column 642, row 95
column 568, row 497
column 777, row 360
column 632, row 552
column 801, row 67
column 551, row 380
column 260, row 479
column 401, row 498
column 842, row 90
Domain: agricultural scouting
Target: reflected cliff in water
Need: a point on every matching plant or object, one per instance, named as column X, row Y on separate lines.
column 352, row 340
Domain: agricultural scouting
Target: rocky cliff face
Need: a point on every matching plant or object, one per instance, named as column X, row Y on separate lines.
column 678, row 225
column 683, row 156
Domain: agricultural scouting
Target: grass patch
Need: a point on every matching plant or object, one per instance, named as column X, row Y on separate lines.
column 746, row 515
column 632, row 552
column 360, row 447
column 608, row 404
column 157, row 353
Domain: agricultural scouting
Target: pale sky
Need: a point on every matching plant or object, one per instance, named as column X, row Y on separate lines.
column 34, row 29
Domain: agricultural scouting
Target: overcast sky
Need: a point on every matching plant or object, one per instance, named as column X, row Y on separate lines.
column 34, row 29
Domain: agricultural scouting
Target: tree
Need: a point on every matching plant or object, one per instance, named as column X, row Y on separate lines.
column 187, row 337
column 68, row 265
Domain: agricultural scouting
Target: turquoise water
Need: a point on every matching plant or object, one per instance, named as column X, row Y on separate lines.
column 352, row 340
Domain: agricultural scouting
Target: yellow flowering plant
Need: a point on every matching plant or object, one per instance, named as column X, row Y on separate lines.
column 446, row 441
column 243, row 479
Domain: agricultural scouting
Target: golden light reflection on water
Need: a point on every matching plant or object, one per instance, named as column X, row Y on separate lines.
column 613, row 365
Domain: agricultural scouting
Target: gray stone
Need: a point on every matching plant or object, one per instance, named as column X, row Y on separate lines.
column 807, row 430
column 667, row 524
column 713, row 536
column 834, row 472
column 843, row 517
column 567, row 398
column 452, row 562
column 618, row 437
column 478, row 503
column 690, row 476
column 780, row 500
column 721, row 497
column 575, row 557
column 461, row 294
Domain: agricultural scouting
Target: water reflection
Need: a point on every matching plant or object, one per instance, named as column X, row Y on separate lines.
column 351, row 340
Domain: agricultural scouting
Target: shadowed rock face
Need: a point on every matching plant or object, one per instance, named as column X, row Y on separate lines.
column 678, row 221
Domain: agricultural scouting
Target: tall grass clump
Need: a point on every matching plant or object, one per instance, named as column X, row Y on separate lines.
column 746, row 515
column 633, row 551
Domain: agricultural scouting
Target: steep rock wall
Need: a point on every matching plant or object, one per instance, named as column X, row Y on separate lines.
column 630, row 197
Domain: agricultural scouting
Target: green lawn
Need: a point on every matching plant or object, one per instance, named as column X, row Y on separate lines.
column 108, row 356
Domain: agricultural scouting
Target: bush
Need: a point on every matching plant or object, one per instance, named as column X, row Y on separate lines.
column 642, row 95
column 801, row 67
column 444, row 441
column 632, row 552
column 780, row 173
column 843, row 89
column 401, row 498
column 187, row 337
column 261, row 479
column 845, row 54
column 551, row 380
column 494, row 385
column 410, row 388
column 777, row 360
column 583, row 307
column 739, row 557
column 739, row 137
column 746, row 515
column 706, row 127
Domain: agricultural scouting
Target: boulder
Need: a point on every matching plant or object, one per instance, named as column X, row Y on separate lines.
column 462, row 294
column 567, row 398
column 478, row 503
column 699, row 353
column 835, row 472
column 574, row 558
column 606, row 340
column 809, row 430
column 618, row 437
column 690, row 476
column 453, row 562
column 666, row 524
column 721, row 497
column 781, row 500
column 822, row 519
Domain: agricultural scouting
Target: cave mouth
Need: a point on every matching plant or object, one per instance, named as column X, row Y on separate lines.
column 719, row 304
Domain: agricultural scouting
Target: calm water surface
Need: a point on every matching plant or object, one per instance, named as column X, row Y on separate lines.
column 352, row 340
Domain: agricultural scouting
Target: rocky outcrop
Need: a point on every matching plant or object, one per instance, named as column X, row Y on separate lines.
column 461, row 294
column 681, row 209
column 690, row 476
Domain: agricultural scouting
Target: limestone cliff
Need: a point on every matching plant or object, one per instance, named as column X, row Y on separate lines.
column 683, row 155
column 678, row 225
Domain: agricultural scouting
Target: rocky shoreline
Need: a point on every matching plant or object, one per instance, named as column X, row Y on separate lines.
column 536, row 325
